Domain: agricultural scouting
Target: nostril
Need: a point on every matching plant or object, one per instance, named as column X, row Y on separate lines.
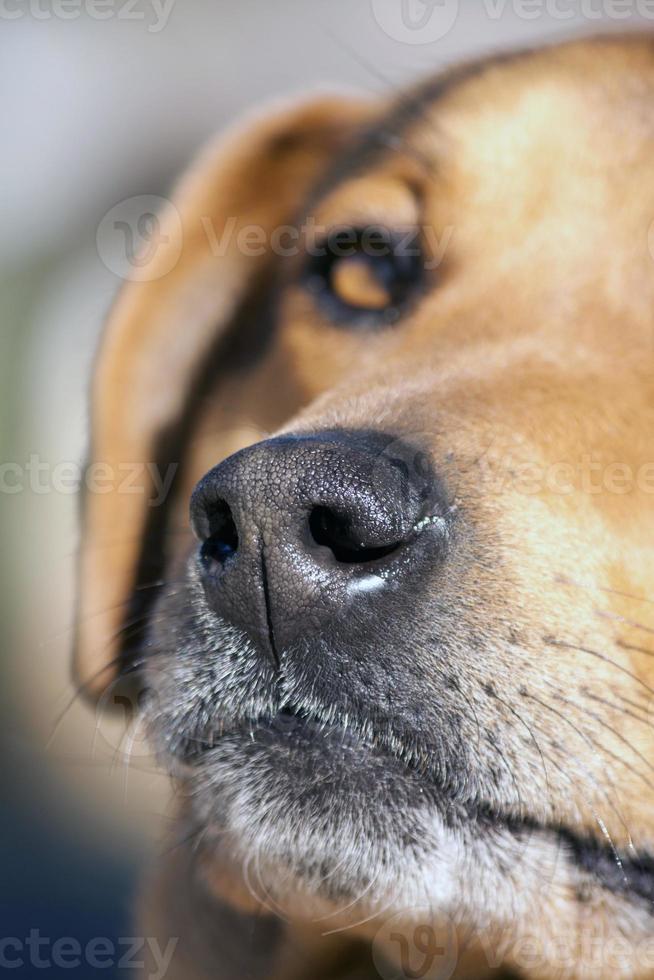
column 222, row 541
column 334, row 531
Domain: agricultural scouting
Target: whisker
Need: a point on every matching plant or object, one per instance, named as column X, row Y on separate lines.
column 86, row 761
column 603, row 750
column 85, row 687
column 550, row 641
column 263, row 902
column 198, row 832
column 457, row 687
column 634, row 648
column 273, row 905
column 626, row 700
column 624, row 619
column 621, row 738
column 502, row 757
column 79, row 620
column 600, row 823
column 512, row 710
column 565, row 580
column 346, row 908
column 361, row 922
column 617, row 707
column 594, row 746
column 95, row 546
column 124, row 669
column 412, row 102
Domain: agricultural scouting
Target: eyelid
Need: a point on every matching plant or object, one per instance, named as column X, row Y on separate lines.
column 370, row 200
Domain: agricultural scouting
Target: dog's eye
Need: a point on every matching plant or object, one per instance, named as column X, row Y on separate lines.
column 365, row 276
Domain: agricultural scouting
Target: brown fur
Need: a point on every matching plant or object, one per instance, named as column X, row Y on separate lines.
column 532, row 347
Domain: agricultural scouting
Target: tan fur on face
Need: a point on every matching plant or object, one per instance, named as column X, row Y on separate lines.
column 528, row 356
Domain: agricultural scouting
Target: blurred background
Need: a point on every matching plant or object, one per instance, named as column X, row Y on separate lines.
column 102, row 101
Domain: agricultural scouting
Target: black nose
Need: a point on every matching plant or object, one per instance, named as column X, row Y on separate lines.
column 296, row 529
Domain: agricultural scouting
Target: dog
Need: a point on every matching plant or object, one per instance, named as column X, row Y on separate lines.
column 400, row 660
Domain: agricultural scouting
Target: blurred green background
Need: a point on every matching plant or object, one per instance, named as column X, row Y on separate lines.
column 93, row 112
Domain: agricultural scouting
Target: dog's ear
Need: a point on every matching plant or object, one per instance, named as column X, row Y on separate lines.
column 181, row 298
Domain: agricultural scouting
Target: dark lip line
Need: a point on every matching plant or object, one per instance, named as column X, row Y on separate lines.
column 621, row 873
column 631, row 875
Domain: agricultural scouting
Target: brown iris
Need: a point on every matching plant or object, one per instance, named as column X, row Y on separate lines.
column 364, row 277
column 355, row 281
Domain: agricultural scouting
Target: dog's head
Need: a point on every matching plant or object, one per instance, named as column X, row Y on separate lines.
column 401, row 357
